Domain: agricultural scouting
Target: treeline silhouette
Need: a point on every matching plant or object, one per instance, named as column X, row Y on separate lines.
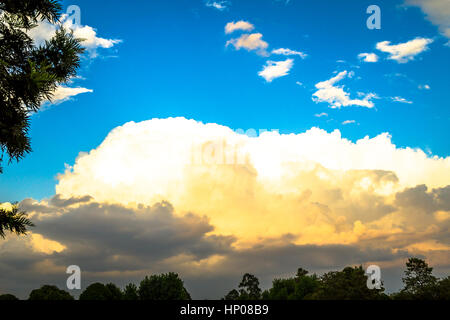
column 348, row 284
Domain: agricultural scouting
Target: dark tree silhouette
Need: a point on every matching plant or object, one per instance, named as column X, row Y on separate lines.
column 348, row 284
column 301, row 272
column 8, row 297
column 99, row 291
column 443, row 290
column 163, row 287
column 114, row 292
column 48, row 292
column 419, row 281
column 13, row 221
column 130, row 292
column 248, row 289
column 232, row 295
column 299, row 288
column 29, row 74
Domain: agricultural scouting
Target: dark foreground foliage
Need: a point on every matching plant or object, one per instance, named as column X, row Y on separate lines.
column 348, row 284
column 30, row 73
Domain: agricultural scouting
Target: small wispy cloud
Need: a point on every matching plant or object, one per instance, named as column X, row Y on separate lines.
column 230, row 27
column 404, row 52
column 219, row 5
column 289, row 52
column 320, row 115
column 424, row 87
column 62, row 94
column 401, row 100
column 250, row 42
column 368, row 57
column 276, row 69
column 348, row 122
column 286, row 2
column 336, row 96
column 90, row 40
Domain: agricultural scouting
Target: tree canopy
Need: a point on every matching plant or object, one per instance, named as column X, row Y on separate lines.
column 347, row 284
column 302, row 286
column 419, row 281
column 99, row 291
column 8, row 297
column 443, row 290
column 48, row 292
column 29, row 74
column 130, row 292
column 163, row 287
column 248, row 289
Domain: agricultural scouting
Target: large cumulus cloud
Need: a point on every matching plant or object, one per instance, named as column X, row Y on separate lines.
column 200, row 199
column 318, row 182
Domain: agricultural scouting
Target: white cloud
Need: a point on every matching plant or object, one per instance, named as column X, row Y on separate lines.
column 424, row 87
column 63, row 93
column 289, row 52
column 368, row 57
column 437, row 11
column 46, row 30
column 323, row 114
column 315, row 184
column 239, row 25
column 336, row 96
column 161, row 150
column 348, row 122
column 219, row 5
column 404, row 52
column 402, row 100
column 299, row 83
column 250, row 42
column 276, row 69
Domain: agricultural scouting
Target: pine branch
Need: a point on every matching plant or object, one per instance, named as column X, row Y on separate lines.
column 14, row 221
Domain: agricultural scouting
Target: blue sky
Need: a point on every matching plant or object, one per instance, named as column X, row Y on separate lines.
column 173, row 61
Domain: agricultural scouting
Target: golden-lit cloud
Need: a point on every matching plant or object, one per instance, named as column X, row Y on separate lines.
column 230, row 27
column 209, row 203
column 437, row 11
column 44, row 245
column 250, row 42
column 317, row 186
